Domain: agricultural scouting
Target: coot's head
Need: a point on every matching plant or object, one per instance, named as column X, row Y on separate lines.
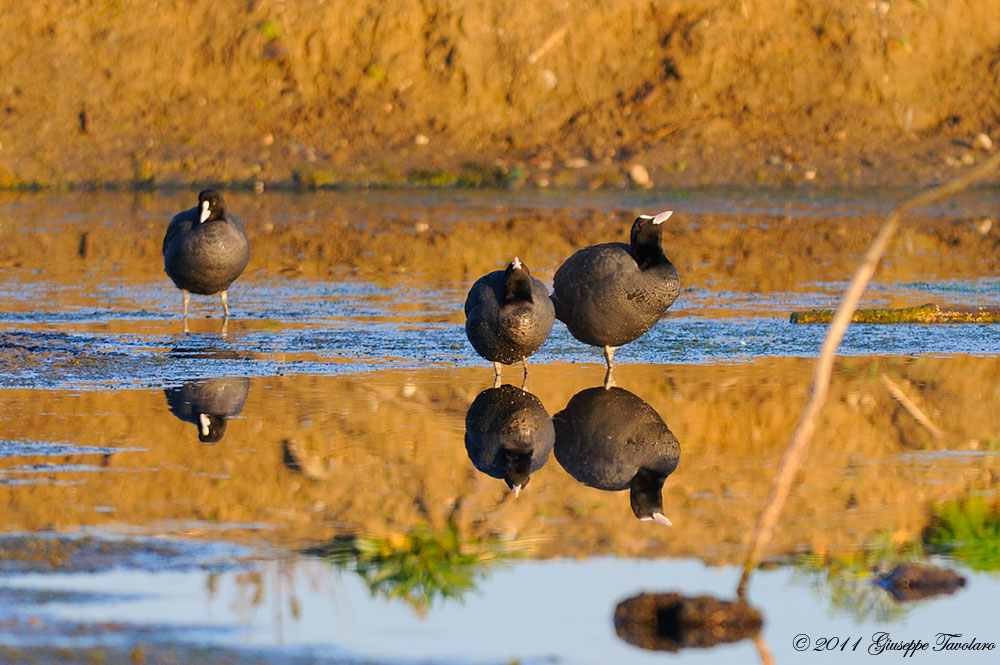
column 516, row 485
column 517, row 280
column 211, row 428
column 210, row 206
column 646, row 497
column 518, row 463
column 517, row 266
column 646, row 229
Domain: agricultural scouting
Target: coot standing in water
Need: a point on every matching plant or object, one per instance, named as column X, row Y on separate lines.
column 611, row 294
column 205, row 249
column 508, row 315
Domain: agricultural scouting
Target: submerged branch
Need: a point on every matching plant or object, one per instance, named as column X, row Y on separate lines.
column 910, row 406
column 929, row 313
column 795, row 451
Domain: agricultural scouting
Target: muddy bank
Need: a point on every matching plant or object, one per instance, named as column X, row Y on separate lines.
column 466, row 92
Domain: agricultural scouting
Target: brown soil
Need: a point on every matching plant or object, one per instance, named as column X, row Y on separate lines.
column 475, row 92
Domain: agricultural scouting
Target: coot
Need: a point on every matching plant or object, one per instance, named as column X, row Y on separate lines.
column 508, row 315
column 613, row 293
column 205, row 249
column 508, row 435
column 208, row 403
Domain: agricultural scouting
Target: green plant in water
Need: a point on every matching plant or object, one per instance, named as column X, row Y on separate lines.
column 968, row 531
column 848, row 579
column 420, row 567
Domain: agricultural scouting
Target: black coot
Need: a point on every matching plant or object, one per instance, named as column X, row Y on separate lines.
column 508, row 315
column 205, row 249
column 508, row 435
column 613, row 293
column 208, row 403
column 611, row 439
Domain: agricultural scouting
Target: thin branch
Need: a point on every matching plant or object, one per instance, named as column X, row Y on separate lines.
column 764, row 651
column 806, row 425
column 910, row 406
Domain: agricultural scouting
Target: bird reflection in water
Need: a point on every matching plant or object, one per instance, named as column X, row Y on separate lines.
column 208, row 403
column 610, row 439
column 508, row 435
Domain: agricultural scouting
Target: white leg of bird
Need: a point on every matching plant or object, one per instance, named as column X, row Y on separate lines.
column 524, row 362
column 497, row 369
column 497, row 380
column 187, row 299
column 225, row 304
column 609, row 378
column 609, row 357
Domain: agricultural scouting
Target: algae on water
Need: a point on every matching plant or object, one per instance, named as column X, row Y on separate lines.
column 929, row 313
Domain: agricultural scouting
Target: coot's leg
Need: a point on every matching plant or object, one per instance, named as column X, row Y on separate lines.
column 187, row 299
column 609, row 357
column 225, row 304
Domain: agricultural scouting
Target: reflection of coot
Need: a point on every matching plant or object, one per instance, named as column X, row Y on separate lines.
column 610, row 439
column 208, row 403
column 508, row 434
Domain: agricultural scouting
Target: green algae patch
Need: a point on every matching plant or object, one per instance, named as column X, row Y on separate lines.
column 929, row 313
column 420, row 567
column 470, row 176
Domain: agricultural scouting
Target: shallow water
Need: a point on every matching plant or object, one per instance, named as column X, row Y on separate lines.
column 534, row 612
column 342, row 394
